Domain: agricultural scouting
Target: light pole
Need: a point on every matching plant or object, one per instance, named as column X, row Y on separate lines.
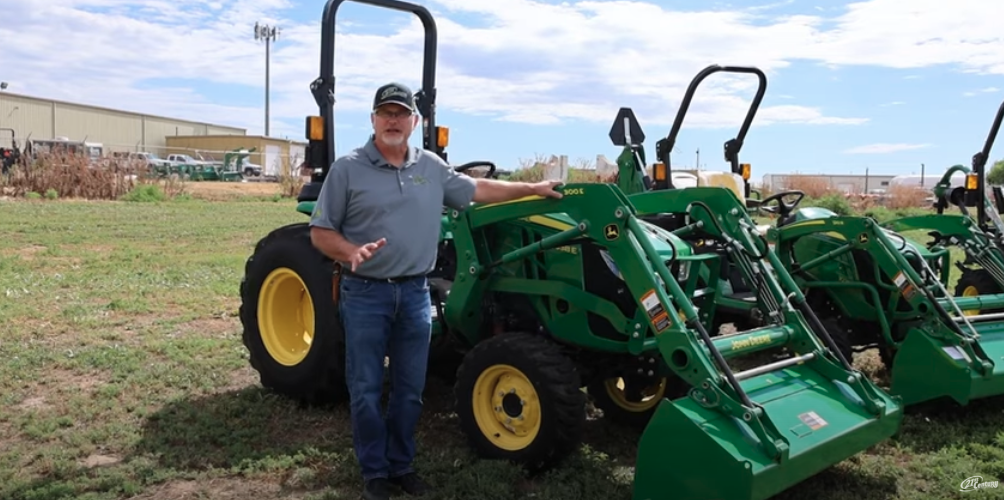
column 269, row 34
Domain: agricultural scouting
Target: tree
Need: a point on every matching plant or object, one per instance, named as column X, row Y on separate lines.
column 996, row 174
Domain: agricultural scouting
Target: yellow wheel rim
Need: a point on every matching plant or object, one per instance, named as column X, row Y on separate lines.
column 286, row 316
column 651, row 395
column 970, row 291
column 506, row 407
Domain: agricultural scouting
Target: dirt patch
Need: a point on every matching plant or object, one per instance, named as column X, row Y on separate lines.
column 58, row 381
column 211, row 327
column 100, row 461
column 103, row 249
column 230, row 190
column 32, row 403
column 27, row 252
column 217, row 489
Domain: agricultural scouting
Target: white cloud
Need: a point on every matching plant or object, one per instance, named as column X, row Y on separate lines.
column 988, row 90
column 523, row 61
column 884, row 148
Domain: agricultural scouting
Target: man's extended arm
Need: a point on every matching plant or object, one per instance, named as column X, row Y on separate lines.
column 460, row 190
column 494, row 191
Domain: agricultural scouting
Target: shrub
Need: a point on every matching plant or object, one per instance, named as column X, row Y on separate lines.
column 813, row 186
column 906, row 197
column 59, row 176
column 834, row 202
column 145, row 193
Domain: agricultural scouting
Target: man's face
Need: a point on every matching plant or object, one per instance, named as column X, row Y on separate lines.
column 393, row 123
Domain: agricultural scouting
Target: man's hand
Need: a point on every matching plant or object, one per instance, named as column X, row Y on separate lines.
column 365, row 252
column 546, row 189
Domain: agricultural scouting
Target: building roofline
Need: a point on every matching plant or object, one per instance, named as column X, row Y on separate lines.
column 246, row 136
column 114, row 110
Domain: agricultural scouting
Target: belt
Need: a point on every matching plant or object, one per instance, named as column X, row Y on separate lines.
column 395, row 279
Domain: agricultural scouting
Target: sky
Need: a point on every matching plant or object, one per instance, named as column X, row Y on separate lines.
column 877, row 85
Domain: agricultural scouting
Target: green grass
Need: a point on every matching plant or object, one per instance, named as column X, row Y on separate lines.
column 123, row 376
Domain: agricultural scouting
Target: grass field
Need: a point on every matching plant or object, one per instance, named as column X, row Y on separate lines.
column 123, row 376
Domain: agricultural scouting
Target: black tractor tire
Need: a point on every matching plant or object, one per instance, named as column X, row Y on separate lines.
column 634, row 410
column 301, row 276
column 979, row 282
column 546, row 379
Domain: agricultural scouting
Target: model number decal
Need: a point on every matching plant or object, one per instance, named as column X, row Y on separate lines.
column 573, row 191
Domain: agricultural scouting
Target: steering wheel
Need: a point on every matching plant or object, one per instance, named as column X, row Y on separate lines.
column 783, row 209
column 478, row 163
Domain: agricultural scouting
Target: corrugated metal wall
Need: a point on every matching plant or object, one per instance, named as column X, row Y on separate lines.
column 116, row 130
column 26, row 116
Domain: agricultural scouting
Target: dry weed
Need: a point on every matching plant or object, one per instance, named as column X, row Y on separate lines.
column 906, row 197
column 813, row 186
column 62, row 176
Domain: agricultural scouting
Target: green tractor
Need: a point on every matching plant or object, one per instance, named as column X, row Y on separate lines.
column 887, row 291
column 739, row 302
column 981, row 238
column 544, row 298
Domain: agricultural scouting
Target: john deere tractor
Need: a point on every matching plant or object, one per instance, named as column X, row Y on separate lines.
column 981, row 237
column 545, row 297
column 738, row 302
column 887, row 291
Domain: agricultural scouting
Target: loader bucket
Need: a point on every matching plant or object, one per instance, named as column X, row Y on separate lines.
column 708, row 455
column 926, row 368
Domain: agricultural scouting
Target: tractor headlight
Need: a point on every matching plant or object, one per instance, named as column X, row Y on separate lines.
column 683, row 271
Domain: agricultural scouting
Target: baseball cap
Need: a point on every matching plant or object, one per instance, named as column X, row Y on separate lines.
column 395, row 93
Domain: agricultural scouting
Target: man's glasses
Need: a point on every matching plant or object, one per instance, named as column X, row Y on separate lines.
column 385, row 113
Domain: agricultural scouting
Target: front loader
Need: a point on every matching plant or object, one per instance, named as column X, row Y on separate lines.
column 888, row 292
column 552, row 294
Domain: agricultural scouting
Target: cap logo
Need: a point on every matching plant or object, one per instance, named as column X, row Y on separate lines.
column 393, row 91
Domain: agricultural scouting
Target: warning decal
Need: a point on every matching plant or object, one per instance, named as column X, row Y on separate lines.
column 904, row 285
column 651, row 303
column 899, row 279
column 661, row 322
column 813, row 420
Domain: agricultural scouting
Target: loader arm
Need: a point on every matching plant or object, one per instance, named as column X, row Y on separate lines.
column 957, row 230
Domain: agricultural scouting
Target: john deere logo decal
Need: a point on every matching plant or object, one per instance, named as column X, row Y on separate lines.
column 611, row 231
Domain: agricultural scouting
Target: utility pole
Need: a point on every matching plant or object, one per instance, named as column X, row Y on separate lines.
column 921, row 175
column 698, row 164
column 269, row 34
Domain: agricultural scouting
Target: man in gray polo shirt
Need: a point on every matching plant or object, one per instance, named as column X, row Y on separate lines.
column 378, row 214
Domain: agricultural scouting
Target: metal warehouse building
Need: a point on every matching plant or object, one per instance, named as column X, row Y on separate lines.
column 850, row 184
column 124, row 131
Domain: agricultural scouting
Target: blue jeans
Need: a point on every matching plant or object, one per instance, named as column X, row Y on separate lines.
column 385, row 319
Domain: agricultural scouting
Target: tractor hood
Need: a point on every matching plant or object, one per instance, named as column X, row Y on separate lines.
column 809, row 213
column 665, row 243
